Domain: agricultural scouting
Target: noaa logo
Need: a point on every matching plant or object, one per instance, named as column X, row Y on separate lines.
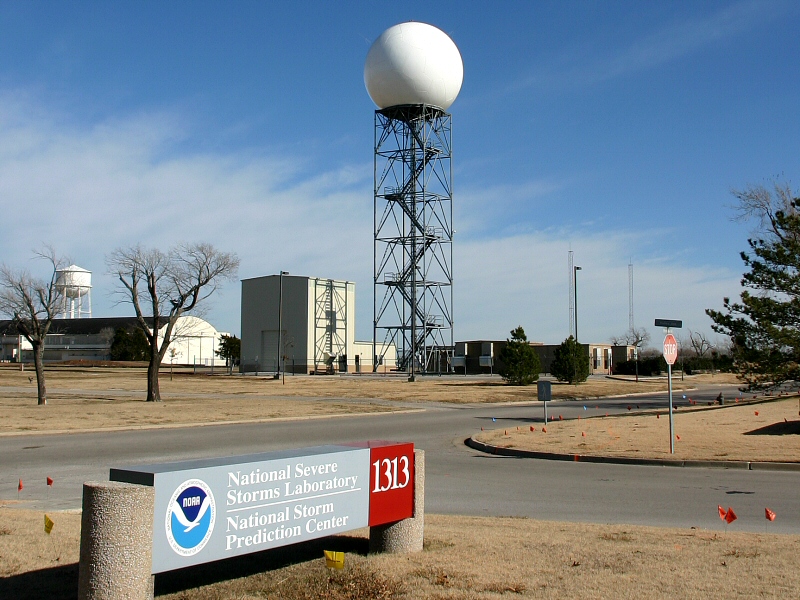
column 190, row 517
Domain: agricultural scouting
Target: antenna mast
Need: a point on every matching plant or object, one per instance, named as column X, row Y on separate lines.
column 630, row 295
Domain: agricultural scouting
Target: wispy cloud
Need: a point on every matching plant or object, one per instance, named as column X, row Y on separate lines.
column 88, row 190
column 582, row 67
column 524, row 280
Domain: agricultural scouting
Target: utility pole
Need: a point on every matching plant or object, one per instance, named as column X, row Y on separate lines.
column 280, row 323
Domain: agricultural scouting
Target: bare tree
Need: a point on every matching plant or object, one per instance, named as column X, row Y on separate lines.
column 165, row 286
column 32, row 304
column 758, row 203
column 636, row 337
column 700, row 343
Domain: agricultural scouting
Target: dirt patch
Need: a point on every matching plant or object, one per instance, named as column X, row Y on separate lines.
column 104, row 397
column 763, row 431
column 464, row 557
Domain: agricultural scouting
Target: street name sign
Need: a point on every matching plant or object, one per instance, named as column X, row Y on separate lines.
column 669, row 323
column 207, row 510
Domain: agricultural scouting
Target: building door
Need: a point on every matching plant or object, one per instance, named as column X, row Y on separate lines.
column 268, row 358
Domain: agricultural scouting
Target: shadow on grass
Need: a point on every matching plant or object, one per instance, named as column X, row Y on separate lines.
column 61, row 583
column 468, row 383
column 258, row 562
column 55, row 583
column 780, row 428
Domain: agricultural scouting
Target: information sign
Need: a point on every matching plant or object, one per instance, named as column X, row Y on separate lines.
column 208, row 510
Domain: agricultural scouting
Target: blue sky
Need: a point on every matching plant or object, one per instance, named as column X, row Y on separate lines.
column 616, row 129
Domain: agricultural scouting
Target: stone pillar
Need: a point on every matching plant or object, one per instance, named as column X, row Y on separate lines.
column 406, row 535
column 116, row 541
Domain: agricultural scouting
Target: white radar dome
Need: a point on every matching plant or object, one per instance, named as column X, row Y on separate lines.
column 413, row 63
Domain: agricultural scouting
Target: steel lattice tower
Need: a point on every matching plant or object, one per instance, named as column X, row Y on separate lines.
column 413, row 244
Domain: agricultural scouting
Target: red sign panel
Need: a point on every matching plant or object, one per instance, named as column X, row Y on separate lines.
column 670, row 349
column 391, row 481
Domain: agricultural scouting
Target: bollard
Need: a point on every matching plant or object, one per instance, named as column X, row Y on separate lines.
column 116, row 541
column 406, row 535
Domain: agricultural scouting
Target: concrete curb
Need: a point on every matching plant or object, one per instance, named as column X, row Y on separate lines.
column 623, row 460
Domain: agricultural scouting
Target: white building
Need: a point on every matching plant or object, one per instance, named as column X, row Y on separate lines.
column 195, row 341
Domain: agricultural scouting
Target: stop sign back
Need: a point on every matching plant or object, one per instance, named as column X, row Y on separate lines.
column 670, row 349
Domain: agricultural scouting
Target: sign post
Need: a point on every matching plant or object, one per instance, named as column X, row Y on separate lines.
column 670, row 355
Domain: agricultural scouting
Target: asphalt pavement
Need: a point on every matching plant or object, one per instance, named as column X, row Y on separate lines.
column 459, row 480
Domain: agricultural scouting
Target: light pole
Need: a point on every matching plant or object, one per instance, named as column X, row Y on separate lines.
column 280, row 322
column 575, row 287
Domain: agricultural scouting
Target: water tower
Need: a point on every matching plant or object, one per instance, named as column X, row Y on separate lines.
column 413, row 73
column 75, row 286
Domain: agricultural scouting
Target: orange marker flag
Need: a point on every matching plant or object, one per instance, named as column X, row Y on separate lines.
column 731, row 516
column 722, row 513
column 544, row 429
column 769, row 514
column 533, row 428
column 50, row 481
column 20, row 486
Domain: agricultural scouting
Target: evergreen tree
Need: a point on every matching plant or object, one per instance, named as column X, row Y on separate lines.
column 230, row 348
column 519, row 360
column 570, row 362
column 764, row 326
column 129, row 345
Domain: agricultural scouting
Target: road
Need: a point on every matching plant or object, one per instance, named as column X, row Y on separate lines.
column 458, row 480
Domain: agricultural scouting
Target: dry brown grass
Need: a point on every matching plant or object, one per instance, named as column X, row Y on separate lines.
column 732, row 432
column 107, row 398
column 464, row 557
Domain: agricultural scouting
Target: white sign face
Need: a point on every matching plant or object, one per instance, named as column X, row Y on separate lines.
column 216, row 512
column 670, row 349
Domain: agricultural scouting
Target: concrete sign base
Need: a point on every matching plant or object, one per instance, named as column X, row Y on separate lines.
column 406, row 535
column 116, row 541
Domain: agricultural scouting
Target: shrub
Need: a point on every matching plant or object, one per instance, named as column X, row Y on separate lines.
column 570, row 362
column 518, row 361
